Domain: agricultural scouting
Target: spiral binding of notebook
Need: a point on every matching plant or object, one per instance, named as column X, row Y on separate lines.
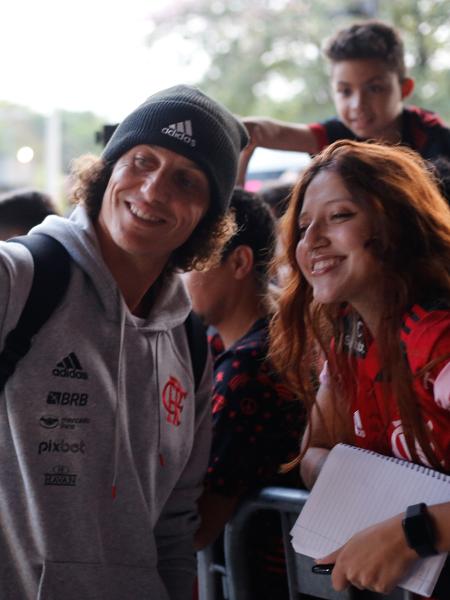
column 404, row 463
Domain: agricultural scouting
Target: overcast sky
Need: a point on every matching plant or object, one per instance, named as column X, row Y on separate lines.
column 85, row 55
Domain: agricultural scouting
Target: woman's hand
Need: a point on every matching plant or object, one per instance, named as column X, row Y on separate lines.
column 375, row 559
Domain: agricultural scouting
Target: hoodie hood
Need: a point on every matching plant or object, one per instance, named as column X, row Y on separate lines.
column 77, row 234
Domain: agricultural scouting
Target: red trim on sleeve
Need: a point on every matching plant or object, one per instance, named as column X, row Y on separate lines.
column 320, row 134
column 428, row 117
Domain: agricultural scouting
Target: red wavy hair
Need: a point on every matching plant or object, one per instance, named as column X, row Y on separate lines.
column 412, row 228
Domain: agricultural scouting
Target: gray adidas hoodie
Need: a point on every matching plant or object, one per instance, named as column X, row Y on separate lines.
column 103, row 443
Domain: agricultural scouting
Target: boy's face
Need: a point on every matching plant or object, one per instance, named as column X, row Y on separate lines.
column 369, row 98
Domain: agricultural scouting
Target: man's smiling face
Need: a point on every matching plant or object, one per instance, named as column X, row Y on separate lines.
column 153, row 201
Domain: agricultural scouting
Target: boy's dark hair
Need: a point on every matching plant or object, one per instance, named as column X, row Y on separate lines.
column 255, row 228
column 369, row 39
column 20, row 210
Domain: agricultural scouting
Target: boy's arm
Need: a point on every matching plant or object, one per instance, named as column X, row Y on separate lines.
column 277, row 135
column 280, row 135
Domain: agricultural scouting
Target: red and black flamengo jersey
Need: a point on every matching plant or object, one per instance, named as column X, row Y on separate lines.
column 422, row 130
column 425, row 336
column 257, row 422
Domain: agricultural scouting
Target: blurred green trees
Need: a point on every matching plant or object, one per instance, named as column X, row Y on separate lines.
column 20, row 126
column 260, row 57
column 265, row 55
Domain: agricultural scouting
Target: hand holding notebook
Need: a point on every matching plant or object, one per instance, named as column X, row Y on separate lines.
column 358, row 488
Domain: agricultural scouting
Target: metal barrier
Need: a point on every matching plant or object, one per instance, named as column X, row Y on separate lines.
column 234, row 573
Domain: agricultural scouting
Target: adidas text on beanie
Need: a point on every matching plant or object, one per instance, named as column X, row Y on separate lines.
column 183, row 119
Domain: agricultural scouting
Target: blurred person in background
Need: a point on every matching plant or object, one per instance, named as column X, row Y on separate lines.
column 22, row 209
column 277, row 196
column 257, row 421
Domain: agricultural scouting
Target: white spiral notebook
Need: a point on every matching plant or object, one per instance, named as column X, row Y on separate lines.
column 357, row 488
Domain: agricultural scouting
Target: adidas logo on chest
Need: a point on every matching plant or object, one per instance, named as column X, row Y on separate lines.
column 182, row 131
column 70, row 366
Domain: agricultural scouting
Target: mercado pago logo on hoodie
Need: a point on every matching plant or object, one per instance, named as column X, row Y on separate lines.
column 173, row 395
column 71, row 367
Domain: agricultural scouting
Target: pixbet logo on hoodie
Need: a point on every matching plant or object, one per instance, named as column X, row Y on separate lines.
column 61, row 446
column 181, row 131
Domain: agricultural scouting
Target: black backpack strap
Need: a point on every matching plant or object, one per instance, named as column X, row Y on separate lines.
column 50, row 280
column 198, row 345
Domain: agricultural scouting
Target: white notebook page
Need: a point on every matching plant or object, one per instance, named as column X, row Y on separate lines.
column 357, row 488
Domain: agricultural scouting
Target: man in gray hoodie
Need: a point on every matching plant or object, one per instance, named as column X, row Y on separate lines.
column 104, row 440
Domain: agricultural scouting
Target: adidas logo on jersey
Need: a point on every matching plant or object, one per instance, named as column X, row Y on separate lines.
column 70, row 366
column 182, row 131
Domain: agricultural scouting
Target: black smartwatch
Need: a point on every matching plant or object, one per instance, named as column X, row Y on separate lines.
column 418, row 530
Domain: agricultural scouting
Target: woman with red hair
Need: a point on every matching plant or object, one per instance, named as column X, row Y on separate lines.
column 367, row 237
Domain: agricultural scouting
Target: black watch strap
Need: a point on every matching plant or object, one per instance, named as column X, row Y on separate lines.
column 418, row 530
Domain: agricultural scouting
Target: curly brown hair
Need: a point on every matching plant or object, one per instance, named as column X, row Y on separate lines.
column 89, row 179
column 412, row 225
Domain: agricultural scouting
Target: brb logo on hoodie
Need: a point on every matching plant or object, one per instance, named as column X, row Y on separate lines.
column 172, row 396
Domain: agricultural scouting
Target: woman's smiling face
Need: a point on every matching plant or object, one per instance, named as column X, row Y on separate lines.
column 334, row 251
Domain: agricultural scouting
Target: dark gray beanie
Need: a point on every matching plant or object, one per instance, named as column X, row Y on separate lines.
column 188, row 122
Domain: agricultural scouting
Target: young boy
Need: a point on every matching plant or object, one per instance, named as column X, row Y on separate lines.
column 369, row 85
column 257, row 421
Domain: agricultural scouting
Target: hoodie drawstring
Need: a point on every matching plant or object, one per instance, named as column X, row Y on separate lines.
column 120, row 391
column 158, row 391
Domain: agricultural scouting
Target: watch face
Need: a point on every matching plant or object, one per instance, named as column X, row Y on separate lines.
column 418, row 530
